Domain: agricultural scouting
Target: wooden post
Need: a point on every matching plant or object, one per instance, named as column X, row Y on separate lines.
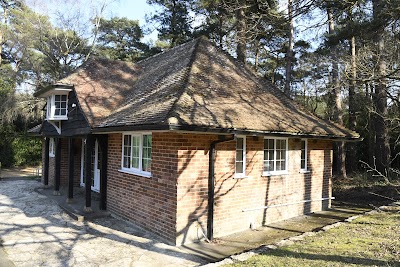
column 70, row 170
column 103, row 143
column 46, row 161
column 57, row 169
column 88, row 173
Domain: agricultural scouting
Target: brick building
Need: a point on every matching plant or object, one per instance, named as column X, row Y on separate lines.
column 187, row 144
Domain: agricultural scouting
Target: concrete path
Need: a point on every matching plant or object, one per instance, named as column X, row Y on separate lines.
column 34, row 231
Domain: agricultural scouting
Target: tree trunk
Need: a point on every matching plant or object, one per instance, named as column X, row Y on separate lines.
column 371, row 126
column 351, row 155
column 241, row 35
column 339, row 153
column 289, row 52
column 382, row 148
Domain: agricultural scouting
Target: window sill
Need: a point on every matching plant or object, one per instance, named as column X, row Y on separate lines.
column 57, row 118
column 240, row 176
column 143, row 174
column 304, row 171
column 274, row 173
column 52, row 155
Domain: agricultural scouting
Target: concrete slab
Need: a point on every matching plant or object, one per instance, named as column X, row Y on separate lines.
column 75, row 207
column 4, row 261
column 224, row 247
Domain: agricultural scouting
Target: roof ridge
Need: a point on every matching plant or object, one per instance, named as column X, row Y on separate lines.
column 184, row 85
column 165, row 51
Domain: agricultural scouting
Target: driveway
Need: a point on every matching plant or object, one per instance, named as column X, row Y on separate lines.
column 34, row 231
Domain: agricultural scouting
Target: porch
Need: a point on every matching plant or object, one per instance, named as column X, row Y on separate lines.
column 74, row 207
column 75, row 172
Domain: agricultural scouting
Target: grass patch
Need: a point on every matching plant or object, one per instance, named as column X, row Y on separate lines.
column 371, row 240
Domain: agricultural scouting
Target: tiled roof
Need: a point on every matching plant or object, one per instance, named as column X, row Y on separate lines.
column 192, row 85
column 35, row 130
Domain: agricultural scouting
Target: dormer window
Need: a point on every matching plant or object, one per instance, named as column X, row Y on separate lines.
column 57, row 107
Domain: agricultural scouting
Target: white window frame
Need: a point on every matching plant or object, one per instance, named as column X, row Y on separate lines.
column 241, row 174
column 52, row 148
column 305, row 169
column 137, row 171
column 275, row 172
column 51, row 107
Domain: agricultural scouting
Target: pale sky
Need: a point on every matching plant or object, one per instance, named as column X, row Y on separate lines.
column 132, row 9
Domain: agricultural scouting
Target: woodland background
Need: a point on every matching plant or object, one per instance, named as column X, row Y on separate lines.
column 338, row 58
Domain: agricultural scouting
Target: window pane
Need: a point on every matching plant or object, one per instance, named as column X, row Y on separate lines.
column 239, row 167
column 127, row 151
column 268, row 165
column 280, row 165
column 239, row 155
column 146, row 153
column 146, row 165
column 135, row 151
column 280, row 144
column 135, row 162
column 268, row 143
column 239, row 143
column 303, row 164
column 64, row 98
column 57, row 97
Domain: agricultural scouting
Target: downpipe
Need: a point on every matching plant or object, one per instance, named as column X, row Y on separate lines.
column 211, row 185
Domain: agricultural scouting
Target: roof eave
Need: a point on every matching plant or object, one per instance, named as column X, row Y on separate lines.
column 205, row 129
column 43, row 92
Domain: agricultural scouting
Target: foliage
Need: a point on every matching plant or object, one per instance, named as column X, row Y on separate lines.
column 27, row 151
column 120, row 39
column 174, row 21
column 6, row 149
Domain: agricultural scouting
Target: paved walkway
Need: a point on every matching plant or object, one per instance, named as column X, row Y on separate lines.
column 34, row 231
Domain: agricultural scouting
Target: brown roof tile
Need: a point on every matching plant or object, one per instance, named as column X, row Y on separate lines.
column 194, row 84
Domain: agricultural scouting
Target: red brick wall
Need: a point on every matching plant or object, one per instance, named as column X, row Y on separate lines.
column 232, row 196
column 148, row 202
column 173, row 203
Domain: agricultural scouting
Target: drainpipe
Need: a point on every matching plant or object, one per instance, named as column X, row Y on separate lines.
column 211, row 185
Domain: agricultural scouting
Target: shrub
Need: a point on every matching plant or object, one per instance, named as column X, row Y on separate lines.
column 27, row 151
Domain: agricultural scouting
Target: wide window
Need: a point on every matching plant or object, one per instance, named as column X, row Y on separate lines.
column 57, row 107
column 240, row 161
column 275, row 156
column 303, row 159
column 136, row 153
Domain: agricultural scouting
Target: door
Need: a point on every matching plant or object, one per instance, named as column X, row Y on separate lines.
column 96, row 166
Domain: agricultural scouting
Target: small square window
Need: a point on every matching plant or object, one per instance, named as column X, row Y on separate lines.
column 57, row 107
column 136, row 153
